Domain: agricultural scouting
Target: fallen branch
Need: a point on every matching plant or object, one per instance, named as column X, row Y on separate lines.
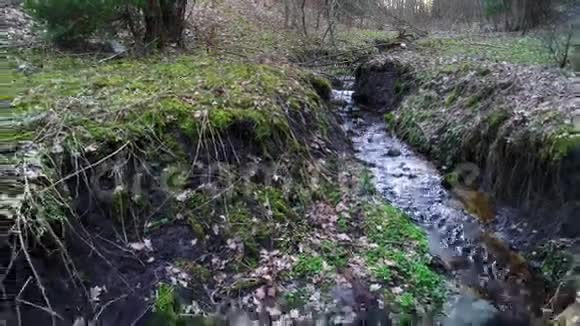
column 336, row 55
column 488, row 45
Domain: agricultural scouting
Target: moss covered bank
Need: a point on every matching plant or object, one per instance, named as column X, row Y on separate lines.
column 168, row 187
column 507, row 128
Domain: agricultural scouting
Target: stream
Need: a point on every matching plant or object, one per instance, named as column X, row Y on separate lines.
column 476, row 257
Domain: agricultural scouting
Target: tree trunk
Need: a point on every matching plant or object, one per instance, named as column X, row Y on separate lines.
column 153, row 28
column 164, row 22
column 318, row 17
column 303, row 13
column 286, row 14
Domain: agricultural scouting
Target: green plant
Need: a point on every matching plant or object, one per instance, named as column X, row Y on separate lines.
column 297, row 298
column 334, row 254
column 275, row 202
column 401, row 255
column 451, row 180
column 165, row 305
column 390, row 119
column 308, row 266
column 367, row 185
column 400, row 88
column 383, row 273
column 331, row 192
column 343, row 224
column 407, row 302
column 72, row 20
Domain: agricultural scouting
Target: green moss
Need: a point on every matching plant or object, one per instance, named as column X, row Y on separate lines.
column 250, row 230
column 451, row 180
column 407, row 302
column 49, row 209
column 197, row 228
column 408, row 126
column 452, row 98
column 472, row 101
column 449, row 69
column 562, row 144
column 11, row 82
column 330, row 192
column 120, row 203
column 496, row 118
column 524, row 50
column 401, row 88
column 201, row 95
column 322, row 86
column 176, row 178
column 245, row 285
column 383, row 273
column 401, row 252
column 276, row 202
column 199, row 212
column 343, row 224
column 357, row 38
column 482, row 72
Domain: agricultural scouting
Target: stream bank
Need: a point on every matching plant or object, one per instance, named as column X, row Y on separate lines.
column 505, row 129
column 504, row 137
column 478, row 259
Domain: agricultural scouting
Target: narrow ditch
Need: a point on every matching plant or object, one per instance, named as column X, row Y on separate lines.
column 477, row 258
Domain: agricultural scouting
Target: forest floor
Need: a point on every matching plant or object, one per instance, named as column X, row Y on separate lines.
column 219, row 179
column 189, row 184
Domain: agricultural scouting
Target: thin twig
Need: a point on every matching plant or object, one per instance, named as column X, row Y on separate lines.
column 487, row 45
column 112, row 57
column 20, row 233
column 106, row 305
column 85, row 168
column 45, row 309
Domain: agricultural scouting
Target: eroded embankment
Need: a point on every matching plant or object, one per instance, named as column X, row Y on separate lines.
column 507, row 128
column 203, row 185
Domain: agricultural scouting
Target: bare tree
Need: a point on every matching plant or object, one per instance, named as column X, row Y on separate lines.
column 557, row 34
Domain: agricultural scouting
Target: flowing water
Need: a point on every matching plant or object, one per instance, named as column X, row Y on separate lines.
column 481, row 263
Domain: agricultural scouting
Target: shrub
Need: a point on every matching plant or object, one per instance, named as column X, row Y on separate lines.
column 69, row 21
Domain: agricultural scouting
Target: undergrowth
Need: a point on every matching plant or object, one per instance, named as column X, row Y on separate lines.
column 115, row 102
column 522, row 50
column 401, row 256
column 217, row 144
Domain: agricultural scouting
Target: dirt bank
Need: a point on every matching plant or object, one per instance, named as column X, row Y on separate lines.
column 204, row 186
column 506, row 128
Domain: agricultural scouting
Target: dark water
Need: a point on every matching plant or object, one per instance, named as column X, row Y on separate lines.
column 477, row 256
